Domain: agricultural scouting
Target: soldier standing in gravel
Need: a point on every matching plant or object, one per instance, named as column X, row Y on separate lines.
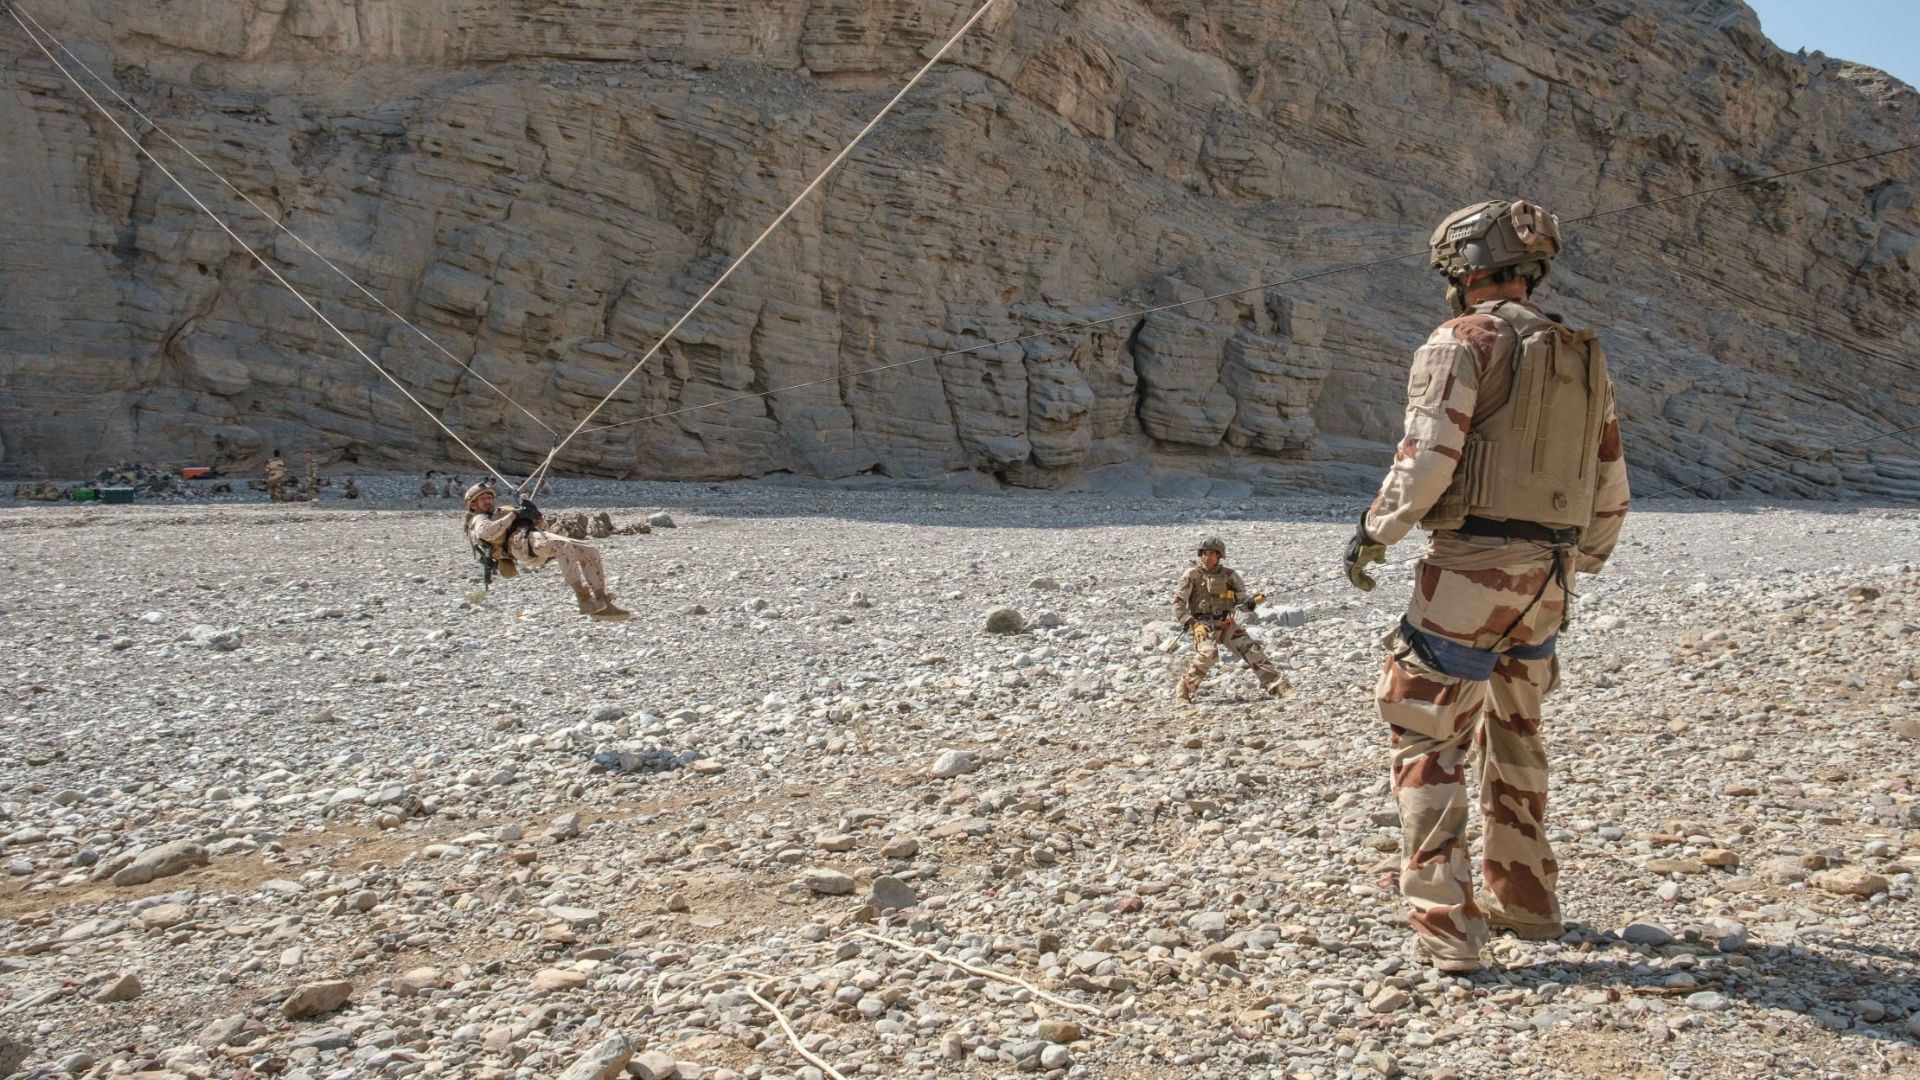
column 276, row 478
column 1512, row 461
column 512, row 539
column 1203, row 604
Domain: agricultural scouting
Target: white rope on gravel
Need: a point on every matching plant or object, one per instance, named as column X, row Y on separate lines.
column 741, row 259
column 987, row 973
column 257, row 257
column 276, row 222
column 779, row 1016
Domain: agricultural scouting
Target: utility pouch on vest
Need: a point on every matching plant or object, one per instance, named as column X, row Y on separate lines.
column 1536, row 457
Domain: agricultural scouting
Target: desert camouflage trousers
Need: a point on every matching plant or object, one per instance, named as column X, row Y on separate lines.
column 579, row 563
column 1206, row 653
column 1494, row 595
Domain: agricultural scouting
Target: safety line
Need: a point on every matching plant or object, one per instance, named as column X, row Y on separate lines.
column 277, row 223
column 741, row 259
column 1790, row 459
column 1075, row 327
column 257, row 257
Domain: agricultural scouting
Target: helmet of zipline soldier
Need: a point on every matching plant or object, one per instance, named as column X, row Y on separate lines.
column 1514, row 236
column 1215, row 545
column 477, row 490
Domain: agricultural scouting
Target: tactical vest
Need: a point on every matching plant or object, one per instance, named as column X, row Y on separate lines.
column 496, row 557
column 1536, row 457
column 1216, row 595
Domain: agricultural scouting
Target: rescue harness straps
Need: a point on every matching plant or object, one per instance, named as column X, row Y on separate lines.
column 741, row 259
column 257, row 257
column 268, row 215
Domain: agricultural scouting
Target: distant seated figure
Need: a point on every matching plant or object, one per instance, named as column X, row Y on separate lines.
column 427, row 488
column 509, row 539
column 352, row 490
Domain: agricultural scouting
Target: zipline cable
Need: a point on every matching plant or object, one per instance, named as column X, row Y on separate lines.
column 257, row 257
column 1790, row 459
column 741, row 259
column 275, row 221
column 582, row 426
column 1091, row 323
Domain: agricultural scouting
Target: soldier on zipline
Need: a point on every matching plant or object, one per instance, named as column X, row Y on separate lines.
column 508, row 539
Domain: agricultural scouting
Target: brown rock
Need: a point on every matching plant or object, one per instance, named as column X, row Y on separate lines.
column 120, row 988
column 1676, row 866
column 1850, row 881
column 1058, row 1030
column 558, row 979
column 163, row 916
column 316, row 999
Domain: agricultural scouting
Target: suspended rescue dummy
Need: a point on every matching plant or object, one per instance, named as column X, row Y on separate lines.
column 1512, row 461
column 1204, row 603
column 507, row 540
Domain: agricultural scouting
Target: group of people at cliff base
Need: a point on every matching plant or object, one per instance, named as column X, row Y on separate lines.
column 278, row 490
column 1511, row 460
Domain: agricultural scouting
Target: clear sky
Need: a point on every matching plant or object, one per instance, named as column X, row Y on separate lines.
column 1882, row 33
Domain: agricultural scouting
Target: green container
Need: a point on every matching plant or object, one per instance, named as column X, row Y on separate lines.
column 83, row 495
column 116, row 494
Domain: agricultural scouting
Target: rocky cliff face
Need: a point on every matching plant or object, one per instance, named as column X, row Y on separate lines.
column 543, row 187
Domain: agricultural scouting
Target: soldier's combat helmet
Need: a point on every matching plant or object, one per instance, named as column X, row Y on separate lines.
column 1494, row 236
column 477, row 490
column 1214, row 544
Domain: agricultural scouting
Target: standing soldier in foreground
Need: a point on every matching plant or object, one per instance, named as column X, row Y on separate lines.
column 1203, row 604
column 1512, row 461
column 512, row 539
column 276, row 478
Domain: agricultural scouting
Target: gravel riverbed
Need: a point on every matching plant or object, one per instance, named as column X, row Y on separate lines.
column 278, row 799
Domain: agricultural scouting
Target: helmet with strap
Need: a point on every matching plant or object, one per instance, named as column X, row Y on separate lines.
column 1497, row 235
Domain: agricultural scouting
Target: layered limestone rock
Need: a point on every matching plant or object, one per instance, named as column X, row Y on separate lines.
column 543, row 188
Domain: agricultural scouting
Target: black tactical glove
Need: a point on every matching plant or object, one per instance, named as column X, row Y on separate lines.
column 1362, row 551
column 1253, row 601
column 528, row 513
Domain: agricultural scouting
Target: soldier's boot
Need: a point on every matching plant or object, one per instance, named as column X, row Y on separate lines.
column 1185, row 688
column 1528, row 929
column 607, row 609
column 1279, row 687
column 588, row 605
column 1456, row 965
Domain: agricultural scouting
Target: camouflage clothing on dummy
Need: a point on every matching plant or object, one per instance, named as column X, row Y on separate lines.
column 1512, row 459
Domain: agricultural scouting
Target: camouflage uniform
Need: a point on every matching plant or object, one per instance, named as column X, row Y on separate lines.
column 276, row 478
column 1209, row 597
column 1504, row 596
column 530, row 548
column 506, row 549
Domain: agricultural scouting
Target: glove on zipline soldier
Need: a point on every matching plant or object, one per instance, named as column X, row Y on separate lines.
column 1512, row 460
column 1203, row 604
column 506, row 540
